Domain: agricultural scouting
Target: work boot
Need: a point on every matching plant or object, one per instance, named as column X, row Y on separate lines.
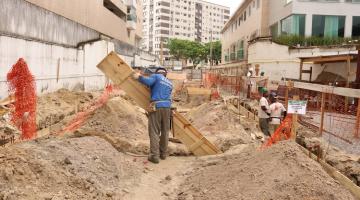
column 153, row 159
column 162, row 156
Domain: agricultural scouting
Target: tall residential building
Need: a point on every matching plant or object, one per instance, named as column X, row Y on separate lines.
column 118, row 19
column 184, row 19
column 256, row 18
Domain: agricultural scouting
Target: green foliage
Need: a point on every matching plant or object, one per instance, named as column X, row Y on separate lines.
column 294, row 40
column 216, row 56
column 195, row 51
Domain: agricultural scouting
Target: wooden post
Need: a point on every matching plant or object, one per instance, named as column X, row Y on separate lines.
column 356, row 134
column 323, row 96
column 348, row 64
column 286, row 96
column 301, row 68
column 294, row 121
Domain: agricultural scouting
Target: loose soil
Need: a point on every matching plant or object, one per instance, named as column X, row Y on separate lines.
column 280, row 172
column 69, row 168
column 221, row 125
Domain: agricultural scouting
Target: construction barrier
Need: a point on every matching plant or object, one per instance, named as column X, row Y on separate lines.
column 82, row 116
column 22, row 86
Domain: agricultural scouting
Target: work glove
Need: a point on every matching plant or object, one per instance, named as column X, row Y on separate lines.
column 136, row 75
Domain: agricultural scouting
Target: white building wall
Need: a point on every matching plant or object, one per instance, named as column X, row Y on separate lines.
column 340, row 8
column 279, row 61
column 77, row 67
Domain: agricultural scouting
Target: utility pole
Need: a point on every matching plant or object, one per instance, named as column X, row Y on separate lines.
column 211, row 50
column 161, row 54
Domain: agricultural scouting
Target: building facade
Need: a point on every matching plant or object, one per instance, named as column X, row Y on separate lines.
column 118, row 19
column 184, row 19
column 62, row 41
column 263, row 18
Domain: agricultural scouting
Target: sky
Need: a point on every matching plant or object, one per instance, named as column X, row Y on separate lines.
column 233, row 4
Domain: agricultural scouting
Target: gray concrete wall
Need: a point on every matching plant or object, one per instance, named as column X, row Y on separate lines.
column 25, row 20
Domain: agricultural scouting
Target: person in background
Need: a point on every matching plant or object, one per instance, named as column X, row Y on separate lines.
column 160, row 114
column 277, row 113
column 263, row 112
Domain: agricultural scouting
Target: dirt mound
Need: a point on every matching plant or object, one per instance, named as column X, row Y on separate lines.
column 280, row 172
column 220, row 124
column 54, row 107
column 124, row 125
column 328, row 77
column 76, row 168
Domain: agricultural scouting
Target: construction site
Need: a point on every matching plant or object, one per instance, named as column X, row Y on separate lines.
column 74, row 121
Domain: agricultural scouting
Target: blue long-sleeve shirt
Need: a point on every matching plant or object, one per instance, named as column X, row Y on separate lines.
column 161, row 89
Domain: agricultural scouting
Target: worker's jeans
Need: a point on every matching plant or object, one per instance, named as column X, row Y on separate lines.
column 159, row 126
column 264, row 126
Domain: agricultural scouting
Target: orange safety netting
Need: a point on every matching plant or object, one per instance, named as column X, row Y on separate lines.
column 283, row 132
column 81, row 117
column 22, row 86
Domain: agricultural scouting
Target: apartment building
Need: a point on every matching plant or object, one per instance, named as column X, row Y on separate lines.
column 256, row 18
column 184, row 19
column 118, row 19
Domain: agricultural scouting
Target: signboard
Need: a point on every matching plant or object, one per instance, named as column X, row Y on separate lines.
column 297, row 107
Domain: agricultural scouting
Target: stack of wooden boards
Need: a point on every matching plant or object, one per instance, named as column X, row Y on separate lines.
column 120, row 74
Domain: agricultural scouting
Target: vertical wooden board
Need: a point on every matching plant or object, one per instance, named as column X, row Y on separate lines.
column 120, row 74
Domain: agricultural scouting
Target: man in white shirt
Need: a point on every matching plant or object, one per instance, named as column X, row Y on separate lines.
column 277, row 113
column 263, row 112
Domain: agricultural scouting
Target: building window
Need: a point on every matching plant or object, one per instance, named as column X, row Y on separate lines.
column 356, row 27
column 240, row 52
column 293, row 25
column 328, row 26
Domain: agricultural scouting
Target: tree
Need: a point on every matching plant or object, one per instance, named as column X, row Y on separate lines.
column 193, row 50
column 216, row 52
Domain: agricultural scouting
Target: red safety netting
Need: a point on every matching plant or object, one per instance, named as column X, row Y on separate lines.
column 283, row 132
column 22, row 86
column 81, row 117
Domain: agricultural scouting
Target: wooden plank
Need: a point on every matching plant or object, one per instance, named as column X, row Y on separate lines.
column 335, row 174
column 198, row 91
column 327, row 59
column 8, row 100
column 349, row 92
column 301, row 69
column 120, row 74
column 191, row 137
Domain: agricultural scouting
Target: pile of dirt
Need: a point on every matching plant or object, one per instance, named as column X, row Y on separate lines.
column 54, row 107
column 328, row 77
column 73, row 168
column 220, row 124
column 124, row 125
column 280, row 172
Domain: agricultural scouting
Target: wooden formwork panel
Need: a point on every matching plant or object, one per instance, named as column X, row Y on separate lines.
column 120, row 74
column 191, row 137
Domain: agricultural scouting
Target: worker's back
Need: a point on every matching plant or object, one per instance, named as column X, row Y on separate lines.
column 161, row 89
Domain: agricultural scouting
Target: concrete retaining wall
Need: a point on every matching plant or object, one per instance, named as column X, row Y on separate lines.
column 25, row 20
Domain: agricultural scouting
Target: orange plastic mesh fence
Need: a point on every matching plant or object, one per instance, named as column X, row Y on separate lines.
column 81, row 117
column 22, row 86
column 283, row 132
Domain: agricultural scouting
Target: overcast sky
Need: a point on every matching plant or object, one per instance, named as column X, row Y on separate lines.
column 233, row 4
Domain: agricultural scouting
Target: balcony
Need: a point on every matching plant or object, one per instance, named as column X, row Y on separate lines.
column 131, row 22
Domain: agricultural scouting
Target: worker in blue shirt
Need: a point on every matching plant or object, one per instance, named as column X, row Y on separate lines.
column 160, row 114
